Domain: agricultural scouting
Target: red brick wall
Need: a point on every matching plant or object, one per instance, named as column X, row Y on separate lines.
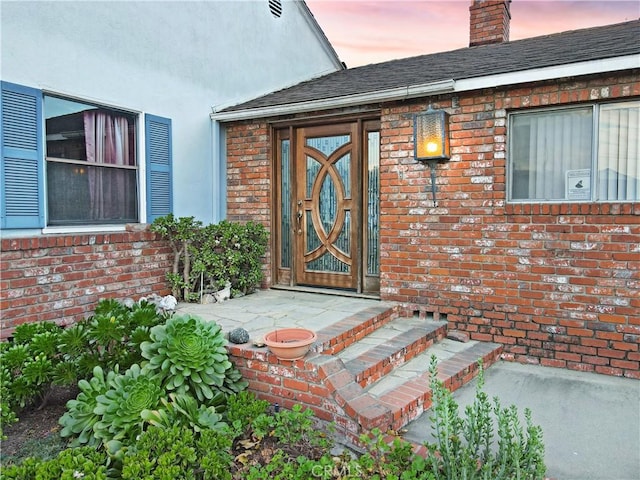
column 62, row 277
column 557, row 284
column 249, row 178
column 489, row 22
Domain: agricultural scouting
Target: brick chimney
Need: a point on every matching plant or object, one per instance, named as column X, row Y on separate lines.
column 489, row 22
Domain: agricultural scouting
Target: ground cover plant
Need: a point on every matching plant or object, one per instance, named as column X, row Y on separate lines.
column 122, row 424
column 43, row 356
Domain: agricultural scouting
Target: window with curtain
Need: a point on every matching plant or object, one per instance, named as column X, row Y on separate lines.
column 91, row 163
column 588, row 153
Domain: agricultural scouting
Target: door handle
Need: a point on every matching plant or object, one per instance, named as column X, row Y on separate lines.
column 299, row 217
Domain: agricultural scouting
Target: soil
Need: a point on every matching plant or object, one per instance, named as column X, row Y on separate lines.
column 37, row 423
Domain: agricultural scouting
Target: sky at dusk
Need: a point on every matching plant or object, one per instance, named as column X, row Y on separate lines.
column 364, row 32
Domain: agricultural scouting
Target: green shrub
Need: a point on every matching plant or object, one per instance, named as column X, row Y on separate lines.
column 177, row 452
column 206, row 258
column 242, row 409
column 230, row 252
column 180, row 232
column 70, row 464
column 464, row 446
column 42, row 354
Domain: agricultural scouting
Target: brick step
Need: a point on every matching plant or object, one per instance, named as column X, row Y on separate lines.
column 389, row 347
column 403, row 392
column 340, row 335
column 406, row 392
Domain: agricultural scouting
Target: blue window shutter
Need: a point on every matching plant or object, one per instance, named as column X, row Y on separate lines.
column 159, row 174
column 22, row 167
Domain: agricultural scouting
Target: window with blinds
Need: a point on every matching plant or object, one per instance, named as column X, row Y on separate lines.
column 582, row 154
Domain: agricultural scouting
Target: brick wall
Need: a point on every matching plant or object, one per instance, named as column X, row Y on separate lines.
column 317, row 382
column 249, row 179
column 489, row 22
column 557, row 284
column 62, row 277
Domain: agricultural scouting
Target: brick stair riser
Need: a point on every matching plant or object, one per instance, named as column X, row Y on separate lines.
column 388, row 364
column 350, row 330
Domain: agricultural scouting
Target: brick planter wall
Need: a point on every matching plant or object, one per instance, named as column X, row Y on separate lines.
column 312, row 382
column 557, row 284
column 62, row 277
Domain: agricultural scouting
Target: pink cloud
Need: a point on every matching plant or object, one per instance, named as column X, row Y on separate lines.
column 365, row 32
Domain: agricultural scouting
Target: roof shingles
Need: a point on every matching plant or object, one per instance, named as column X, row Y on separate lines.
column 532, row 53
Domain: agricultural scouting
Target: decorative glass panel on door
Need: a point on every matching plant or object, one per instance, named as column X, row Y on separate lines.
column 285, row 204
column 373, row 203
column 328, row 221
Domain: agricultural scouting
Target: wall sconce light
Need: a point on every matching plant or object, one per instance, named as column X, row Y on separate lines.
column 431, row 135
column 431, row 140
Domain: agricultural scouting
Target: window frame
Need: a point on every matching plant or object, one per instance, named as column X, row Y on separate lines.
column 136, row 118
column 23, row 185
column 595, row 123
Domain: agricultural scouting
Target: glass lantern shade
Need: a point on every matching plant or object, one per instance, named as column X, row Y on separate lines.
column 431, row 135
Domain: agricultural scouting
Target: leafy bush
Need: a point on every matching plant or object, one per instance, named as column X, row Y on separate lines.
column 206, row 258
column 242, row 409
column 230, row 252
column 176, row 452
column 189, row 355
column 180, row 232
column 70, row 464
column 463, row 447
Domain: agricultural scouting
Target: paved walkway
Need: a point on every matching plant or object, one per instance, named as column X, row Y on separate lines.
column 266, row 310
column 590, row 422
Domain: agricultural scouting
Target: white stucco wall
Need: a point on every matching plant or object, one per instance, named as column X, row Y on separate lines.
column 175, row 59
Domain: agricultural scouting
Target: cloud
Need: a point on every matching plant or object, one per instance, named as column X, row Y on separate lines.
column 365, row 32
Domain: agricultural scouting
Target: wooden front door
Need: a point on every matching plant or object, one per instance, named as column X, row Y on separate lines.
column 327, row 206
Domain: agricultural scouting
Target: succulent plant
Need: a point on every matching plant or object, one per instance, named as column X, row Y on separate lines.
column 120, row 407
column 183, row 409
column 25, row 332
column 80, row 418
column 38, row 371
column 188, row 355
column 15, row 356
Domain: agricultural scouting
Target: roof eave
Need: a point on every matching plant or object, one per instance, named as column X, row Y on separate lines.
column 400, row 93
column 605, row 65
column 434, row 88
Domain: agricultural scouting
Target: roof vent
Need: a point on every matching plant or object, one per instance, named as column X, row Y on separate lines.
column 276, row 8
